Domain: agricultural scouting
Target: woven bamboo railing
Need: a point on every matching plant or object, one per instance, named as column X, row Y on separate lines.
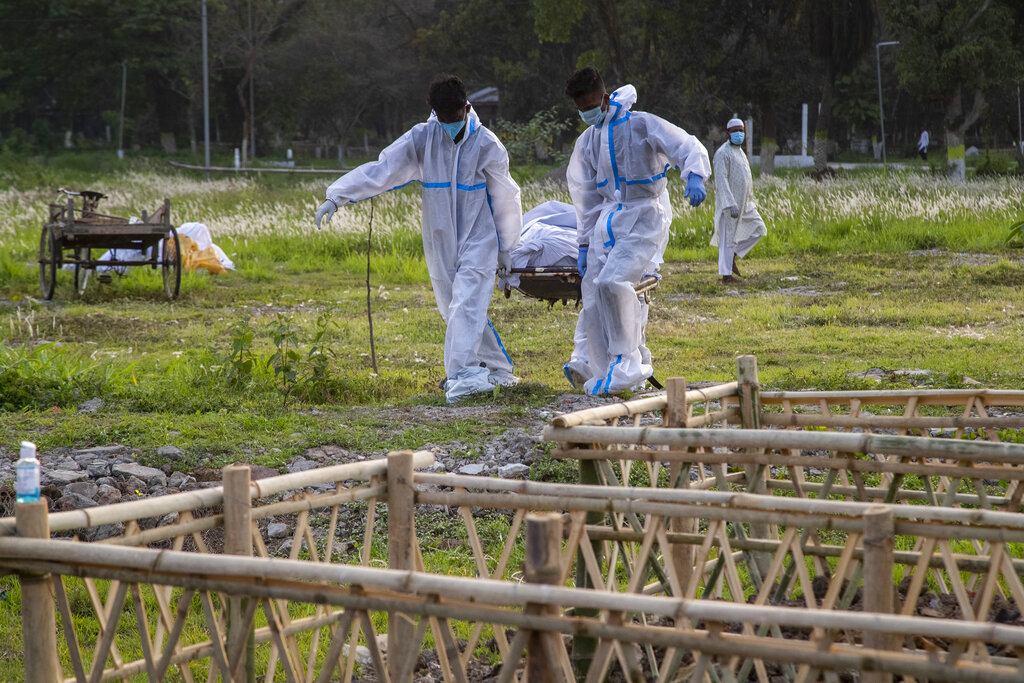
column 759, row 553
column 803, row 615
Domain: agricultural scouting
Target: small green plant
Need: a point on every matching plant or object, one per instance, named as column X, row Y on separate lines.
column 286, row 359
column 315, row 378
column 241, row 362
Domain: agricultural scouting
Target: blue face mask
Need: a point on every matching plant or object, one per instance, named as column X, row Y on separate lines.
column 592, row 117
column 737, row 138
column 453, row 128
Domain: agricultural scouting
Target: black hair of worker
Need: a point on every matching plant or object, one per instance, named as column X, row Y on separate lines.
column 583, row 82
column 446, row 94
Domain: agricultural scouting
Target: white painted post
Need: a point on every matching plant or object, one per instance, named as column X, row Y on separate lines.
column 750, row 138
column 803, row 131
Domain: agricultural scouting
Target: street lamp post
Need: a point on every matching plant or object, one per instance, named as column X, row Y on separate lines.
column 206, row 100
column 881, row 111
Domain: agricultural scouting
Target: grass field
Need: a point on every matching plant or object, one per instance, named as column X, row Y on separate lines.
column 862, row 272
column 865, row 271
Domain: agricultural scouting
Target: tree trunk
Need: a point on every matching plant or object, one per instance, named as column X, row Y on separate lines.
column 610, row 19
column 956, row 124
column 821, row 127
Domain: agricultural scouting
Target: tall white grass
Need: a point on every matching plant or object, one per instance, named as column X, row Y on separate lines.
column 231, row 207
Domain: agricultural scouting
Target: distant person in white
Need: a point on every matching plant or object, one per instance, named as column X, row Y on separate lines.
column 738, row 226
column 922, row 145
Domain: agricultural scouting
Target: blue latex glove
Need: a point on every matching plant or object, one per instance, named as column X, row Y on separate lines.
column 695, row 189
column 581, row 261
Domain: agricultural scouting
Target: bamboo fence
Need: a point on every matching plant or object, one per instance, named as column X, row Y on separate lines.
column 697, row 546
column 663, row 604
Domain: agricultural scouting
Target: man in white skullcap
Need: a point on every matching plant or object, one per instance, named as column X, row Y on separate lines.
column 738, row 226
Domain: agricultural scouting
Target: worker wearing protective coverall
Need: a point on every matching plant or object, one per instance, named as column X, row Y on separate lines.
column 616, row 176
column 738, row 225
column 577, row 370
column 472, row 217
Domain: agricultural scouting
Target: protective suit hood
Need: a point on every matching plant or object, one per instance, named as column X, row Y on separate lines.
column 625, row 97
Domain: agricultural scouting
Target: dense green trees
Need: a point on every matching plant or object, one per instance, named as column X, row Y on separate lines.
column 330, row 72
column 952, row 52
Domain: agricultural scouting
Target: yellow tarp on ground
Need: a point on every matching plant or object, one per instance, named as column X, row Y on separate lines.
column 194, row 259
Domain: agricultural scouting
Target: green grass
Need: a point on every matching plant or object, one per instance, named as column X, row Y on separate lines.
column 834, row 288
column 855, row 273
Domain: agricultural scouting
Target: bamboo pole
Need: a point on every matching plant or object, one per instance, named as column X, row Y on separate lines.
column 583, row 647
column 638, row 406
column 749, row 391
column 619, row 499
column 676, row 414
column 974, row 564
column 325, row 584
column 401, row 555
column 786, row 439
column 989, row 397
column 747, row 508
column 38, row 615
column 639, row 499
column 1006, row 469
column 238, row 541
column 878, row 579
column 543, row 566
column 324, row 500
column 837, row 657
column 879, row 493
column 868, row 421
column 757, row 474
column 202, row 498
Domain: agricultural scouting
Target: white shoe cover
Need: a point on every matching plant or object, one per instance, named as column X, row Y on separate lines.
column 622, row 375
column 503, row 378
column 470, row 381
column 577, row 373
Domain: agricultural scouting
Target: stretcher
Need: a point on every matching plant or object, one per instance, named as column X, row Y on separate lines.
column 563, row 283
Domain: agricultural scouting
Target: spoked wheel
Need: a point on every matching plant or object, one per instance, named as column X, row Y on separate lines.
column 82, row 256
column 49, row 260
column 170, row 264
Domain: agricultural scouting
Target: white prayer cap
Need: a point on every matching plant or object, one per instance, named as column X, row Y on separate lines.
column 733, row 123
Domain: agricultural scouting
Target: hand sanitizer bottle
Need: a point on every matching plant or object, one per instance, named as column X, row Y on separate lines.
column 26, row 484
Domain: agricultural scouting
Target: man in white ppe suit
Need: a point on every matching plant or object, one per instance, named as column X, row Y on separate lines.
column 616, row 176
column 472, row 217
column 578, row 369
column 738, row 225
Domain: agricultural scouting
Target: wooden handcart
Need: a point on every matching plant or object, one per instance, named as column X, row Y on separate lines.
column 72, row 234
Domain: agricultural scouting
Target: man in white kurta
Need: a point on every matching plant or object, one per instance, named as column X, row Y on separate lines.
column 738, row 225
column 922, row 145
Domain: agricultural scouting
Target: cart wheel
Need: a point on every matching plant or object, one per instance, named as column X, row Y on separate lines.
column 170, row 264
column 81, row 272
column 49, row 259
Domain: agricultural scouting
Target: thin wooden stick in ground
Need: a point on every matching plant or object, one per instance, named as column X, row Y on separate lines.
column 369, row 314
